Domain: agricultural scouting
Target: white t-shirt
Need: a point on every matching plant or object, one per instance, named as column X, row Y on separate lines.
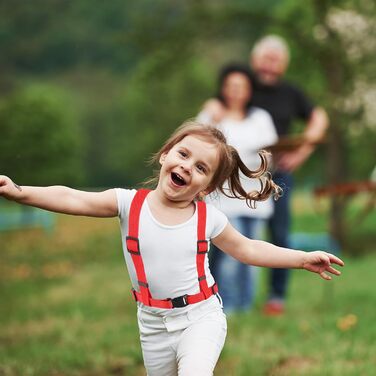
column 168, row 252
column 247, row 136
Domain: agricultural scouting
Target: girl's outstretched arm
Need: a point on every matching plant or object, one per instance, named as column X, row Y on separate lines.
column 61, row 199
column 260, row 253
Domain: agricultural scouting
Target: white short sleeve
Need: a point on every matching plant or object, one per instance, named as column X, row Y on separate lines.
column 216, row 221
column 124, row 199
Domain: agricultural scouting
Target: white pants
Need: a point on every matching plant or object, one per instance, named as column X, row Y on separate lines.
column 183, row 344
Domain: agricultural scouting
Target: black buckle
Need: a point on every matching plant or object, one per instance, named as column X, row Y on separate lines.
column 133, row 291
column 137, row 242
column 198, row 246
column 180, row 301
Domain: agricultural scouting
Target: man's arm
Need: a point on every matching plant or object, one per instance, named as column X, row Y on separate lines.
column 212, row 111
column 316, row 126
column 314, row 131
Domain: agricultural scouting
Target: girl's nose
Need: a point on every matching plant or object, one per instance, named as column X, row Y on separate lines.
column 187, row 167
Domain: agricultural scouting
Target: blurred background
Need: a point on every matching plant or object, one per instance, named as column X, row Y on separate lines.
column 90, row 89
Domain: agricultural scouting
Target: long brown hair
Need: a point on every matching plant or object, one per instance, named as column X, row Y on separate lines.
column 230, row 165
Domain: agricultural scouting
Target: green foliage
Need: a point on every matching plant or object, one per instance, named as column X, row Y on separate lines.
column 126, row 131
column 40, row 143
column 360, row 165
column 153, row 107
column 166, row 55
column 52, row 36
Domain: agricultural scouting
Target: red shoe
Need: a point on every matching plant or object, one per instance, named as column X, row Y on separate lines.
column 274, row 308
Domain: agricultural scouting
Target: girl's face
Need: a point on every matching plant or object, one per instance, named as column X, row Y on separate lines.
column 188, row 168
column 236, row 89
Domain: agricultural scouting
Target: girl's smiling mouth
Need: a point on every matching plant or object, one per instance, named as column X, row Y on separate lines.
column 178, row 179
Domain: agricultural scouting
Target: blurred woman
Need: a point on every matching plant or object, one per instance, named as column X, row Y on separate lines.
column 248, row 129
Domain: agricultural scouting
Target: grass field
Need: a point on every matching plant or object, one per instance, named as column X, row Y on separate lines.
column 66, row 308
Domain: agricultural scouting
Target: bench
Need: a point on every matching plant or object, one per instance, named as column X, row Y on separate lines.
column 12, row 218
column 321, row 241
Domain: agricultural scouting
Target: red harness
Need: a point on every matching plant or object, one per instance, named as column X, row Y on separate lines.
column 133, row 246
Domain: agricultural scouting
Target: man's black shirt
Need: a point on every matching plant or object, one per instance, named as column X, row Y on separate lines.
column 284, row 102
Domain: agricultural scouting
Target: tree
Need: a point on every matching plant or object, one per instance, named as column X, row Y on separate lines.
column 340, row 38
column 40, row 143
column 166, row 55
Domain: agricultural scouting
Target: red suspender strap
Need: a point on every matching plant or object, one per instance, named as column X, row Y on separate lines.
column 202, row 249
column 133, row 244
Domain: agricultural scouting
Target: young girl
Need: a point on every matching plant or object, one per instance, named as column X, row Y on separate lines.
column 165, row 236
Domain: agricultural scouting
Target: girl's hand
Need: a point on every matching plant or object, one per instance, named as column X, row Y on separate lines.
column 8, row 189
column 320, row 262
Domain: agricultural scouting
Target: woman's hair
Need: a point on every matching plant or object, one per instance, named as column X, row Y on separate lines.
column 229, row 165
column 230, row 69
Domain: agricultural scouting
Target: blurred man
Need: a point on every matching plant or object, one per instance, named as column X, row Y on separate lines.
column 285, row 102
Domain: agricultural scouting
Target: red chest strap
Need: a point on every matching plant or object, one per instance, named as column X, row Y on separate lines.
column 133, row 246
column 202, row 249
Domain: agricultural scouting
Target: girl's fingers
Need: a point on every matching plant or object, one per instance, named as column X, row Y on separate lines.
column 335, row 259
column 333, row 271
column 325, row 276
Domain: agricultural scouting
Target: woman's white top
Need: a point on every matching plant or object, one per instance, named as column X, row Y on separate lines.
column 168, row 252
column 247, row 136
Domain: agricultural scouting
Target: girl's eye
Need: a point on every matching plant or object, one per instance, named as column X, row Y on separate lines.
column 183, row 153
column 201, row 168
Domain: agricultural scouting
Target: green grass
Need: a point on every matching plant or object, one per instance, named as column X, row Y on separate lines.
column 66, row 309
